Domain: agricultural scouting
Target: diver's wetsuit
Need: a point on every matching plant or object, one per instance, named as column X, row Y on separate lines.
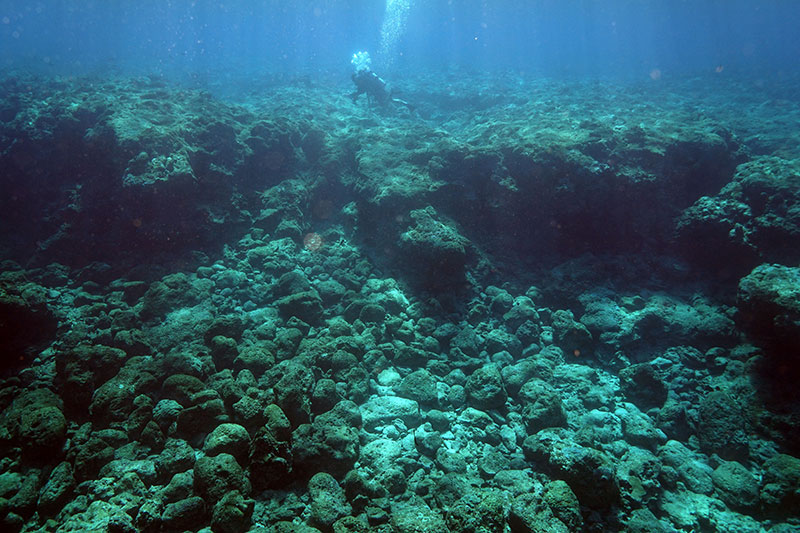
column 369, row 83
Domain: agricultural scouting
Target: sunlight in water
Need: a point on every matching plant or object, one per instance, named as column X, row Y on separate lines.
column 394, row 24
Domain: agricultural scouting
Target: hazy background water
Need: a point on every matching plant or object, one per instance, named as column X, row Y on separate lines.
column 205, row 38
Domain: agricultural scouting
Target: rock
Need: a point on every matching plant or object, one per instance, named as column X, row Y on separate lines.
column 330, row 443
column 35, row 418
column 23, row 502
column 542, row 406
column 171, row 292
column 769, row 309
column 372, row 313
column 181, row 388
column 215, row 476
column 722, row 427
column 485, row 389
column 420, row 386
column 328, row 502
column 57, row 491
column 638, row 428
column 91, row 457
column 270, row 460
column 737, row 487
column 224, row 351
column 748, row 221
column 415, row 516
column 197, row 421
column 180, row 487
column 187, row 514
column 230, row 326
column 257, row 359
column 644, row 521
column 152, row 437
column 516, row 375
column 385, row 409
column 292, row 282
column 177, row 456
column 590, row 474
column 307, row 306
column 498, row 340
column 325, row 396
column 434, row 251
column 102, row 515
column 529, row 514
column 228, row 438
column 360, row 491
column 82, row 369
column 232, row 513
column 293, row 392
column 277, row 423
column 480, row 510
column 564, row 504
column 113, row 401
column 466, row 341
column 42, row 432
column 427, row 440
column 688, row 467
column 641, row 385
column 570, row 335
column 491, row 462
column 165, row 413
column 26, row 324
column 779, row 490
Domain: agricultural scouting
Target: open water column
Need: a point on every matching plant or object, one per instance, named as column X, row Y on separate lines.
column 394, row 24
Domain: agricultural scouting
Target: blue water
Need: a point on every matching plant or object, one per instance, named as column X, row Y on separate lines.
column 179, row 39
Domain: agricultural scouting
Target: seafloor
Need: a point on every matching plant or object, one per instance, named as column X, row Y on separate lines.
column 529, row 305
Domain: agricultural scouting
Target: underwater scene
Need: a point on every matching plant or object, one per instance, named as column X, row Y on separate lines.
column 399, row 266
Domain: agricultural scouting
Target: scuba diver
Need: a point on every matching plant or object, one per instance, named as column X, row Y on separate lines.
column 369, row 83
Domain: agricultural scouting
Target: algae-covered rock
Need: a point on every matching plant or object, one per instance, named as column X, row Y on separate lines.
column 385, row 409
column 113, row 401
column 90, row 457
column 328, row 502
column 216, row 476
column 330, row 443
column 27, row 323
column 752, row 219
column 84, row 368
column 176, row 457
column 564, row 504
column 293, row 392
column 36, row 419
column 737, row 487
column 270, row 459
column 722, row 428
column 189, row 513
column 769, row 309
column 479, row 510
column 572, row 336
column 57, row 490
column 641, row 385
column 434, row 249
column 415, row 516
column 542, row 406
column 306, row 305
column 485, row 388
column 232, row 513
column 228, row 438
column 420, row 386
column 590, row 474
column 171, row 292
column 780, row 492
